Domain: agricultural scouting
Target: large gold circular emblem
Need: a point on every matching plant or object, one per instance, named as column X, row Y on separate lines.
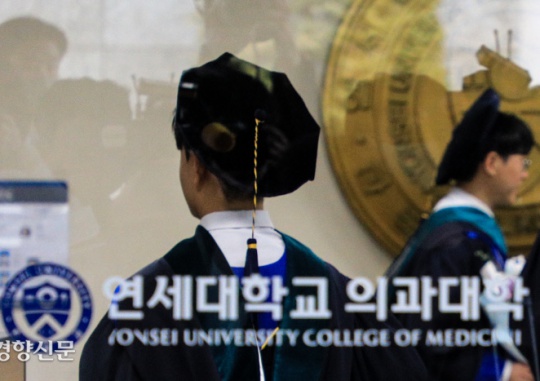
column 388, row 117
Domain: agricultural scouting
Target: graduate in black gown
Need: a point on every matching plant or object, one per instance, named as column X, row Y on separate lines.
column 244, row 134
column 486, row 160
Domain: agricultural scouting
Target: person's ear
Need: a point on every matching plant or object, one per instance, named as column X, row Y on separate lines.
column 491, row 163
column 200, row 172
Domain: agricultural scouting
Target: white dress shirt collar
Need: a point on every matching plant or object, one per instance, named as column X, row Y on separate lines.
column 236, row 219
column 457, row 197
column 231, row 229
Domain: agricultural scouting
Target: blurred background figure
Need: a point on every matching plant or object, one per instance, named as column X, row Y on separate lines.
column 30, row 54
column 87, row 136
column 258, row 31
column 83, row 126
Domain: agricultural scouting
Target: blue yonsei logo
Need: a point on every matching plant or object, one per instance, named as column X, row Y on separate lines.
column 46, row 301
column 46, row 308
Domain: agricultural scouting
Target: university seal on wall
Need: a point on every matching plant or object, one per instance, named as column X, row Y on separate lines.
column 388, row 117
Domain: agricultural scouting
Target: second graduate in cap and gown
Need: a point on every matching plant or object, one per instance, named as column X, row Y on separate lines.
column 486, row 161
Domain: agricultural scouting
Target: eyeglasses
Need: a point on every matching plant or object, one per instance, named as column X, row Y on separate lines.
column 527, row 164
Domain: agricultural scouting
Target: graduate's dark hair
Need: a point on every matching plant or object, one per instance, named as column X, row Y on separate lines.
column 231, row 193
column 509, row 135
column 178, row 137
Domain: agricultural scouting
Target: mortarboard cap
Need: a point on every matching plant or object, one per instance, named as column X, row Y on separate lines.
column 469, row 139
column 217, row 105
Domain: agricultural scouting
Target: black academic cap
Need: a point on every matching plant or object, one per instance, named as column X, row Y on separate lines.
column 217, row 105
column 469, row 138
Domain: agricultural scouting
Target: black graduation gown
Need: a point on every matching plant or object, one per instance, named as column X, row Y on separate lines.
column 200, row 255
column 447, row 251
